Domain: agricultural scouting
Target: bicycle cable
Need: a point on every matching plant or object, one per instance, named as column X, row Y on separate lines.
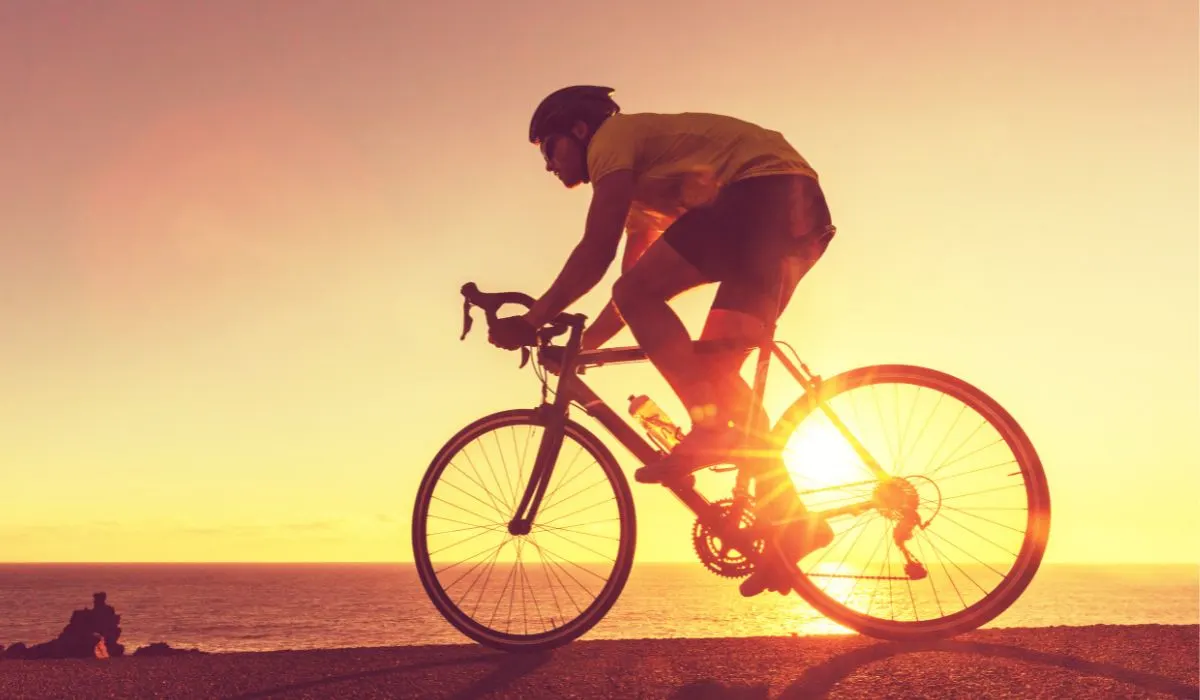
column 796, row 355
column 544, row 378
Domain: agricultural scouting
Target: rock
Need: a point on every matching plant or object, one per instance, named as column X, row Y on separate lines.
column 91, row 633
column 163, row 649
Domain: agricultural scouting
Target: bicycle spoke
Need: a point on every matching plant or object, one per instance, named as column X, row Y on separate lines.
column 908, row 424
column 841, row 535
column 533, row 597
column 494, row 528
column 943, row 465
column 882, row 542
column 582, row 546
column 589, row 534
column 936, row 450
column 891, row 596
column 498, row 497
column 925, row 425
column 948, row 576
column 899, row 435
column 960, row 445
column 466, row 573
column 508, row 500
column 929, row 577
column 576, row 512
column 549, row 498
column 948, row 519
column 567, row 476
column 459, row 522
column 991, row 490
column 882, row 429
column 563, row 569
column 550, row 567
column 500, row 599
column 516, row 577
column 504, row 463
column 585, row 489
column 477, row 498
column 463, row 561
column 912, row 598
column 977, row 559
column 943, row 479
column 490, row 568
column 469, row 512
column 520, row 459
column 547, row 570
column 858, row 423
column 980, row 517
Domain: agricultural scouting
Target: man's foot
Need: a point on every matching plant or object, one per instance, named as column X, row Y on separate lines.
column 797, row 538
column 703, row 447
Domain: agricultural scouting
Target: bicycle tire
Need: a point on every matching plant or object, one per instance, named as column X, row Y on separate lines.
column 623, row 561
column 1037, row 492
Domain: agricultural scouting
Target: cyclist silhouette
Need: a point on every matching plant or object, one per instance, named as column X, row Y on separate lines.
column 703, row 198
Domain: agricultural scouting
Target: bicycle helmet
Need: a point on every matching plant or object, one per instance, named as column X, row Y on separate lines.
column 556, row 113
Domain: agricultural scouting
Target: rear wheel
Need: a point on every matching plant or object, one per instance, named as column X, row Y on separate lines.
column 533, row 591
column 955, row 534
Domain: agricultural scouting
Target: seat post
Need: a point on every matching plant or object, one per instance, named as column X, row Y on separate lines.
column 760, row 384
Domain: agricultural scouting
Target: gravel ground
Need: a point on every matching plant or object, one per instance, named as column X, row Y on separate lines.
column 1144, row 661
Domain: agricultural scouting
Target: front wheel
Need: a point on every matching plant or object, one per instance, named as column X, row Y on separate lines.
column 522, row 592
column 954, row 531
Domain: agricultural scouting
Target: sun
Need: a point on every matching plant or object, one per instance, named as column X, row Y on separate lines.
column 818, row 456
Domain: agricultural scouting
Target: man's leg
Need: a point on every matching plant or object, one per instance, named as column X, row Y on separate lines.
column 641, row 296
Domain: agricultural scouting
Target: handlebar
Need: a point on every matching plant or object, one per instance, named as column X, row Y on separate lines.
column 491, row 303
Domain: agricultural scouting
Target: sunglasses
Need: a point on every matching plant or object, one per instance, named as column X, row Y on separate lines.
column 547, row 146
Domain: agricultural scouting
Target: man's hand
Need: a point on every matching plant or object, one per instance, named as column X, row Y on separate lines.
column 512, row 332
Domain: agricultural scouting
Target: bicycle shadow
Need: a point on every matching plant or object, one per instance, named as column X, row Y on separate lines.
column 508, row 668
column 819, row 680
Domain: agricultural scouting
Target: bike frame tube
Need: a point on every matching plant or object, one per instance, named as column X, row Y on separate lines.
column 572, row 388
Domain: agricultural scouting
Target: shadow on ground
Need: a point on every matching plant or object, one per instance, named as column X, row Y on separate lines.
column 823, row 678
column 508, row 668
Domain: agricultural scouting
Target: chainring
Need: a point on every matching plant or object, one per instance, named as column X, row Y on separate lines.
column 717, row 557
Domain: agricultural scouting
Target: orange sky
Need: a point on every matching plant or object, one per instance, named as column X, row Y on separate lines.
column 232, row 237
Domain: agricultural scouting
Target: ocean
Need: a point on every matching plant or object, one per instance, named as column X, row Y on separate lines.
column 261, row 607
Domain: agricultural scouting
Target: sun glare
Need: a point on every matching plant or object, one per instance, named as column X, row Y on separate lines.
column 818, row 456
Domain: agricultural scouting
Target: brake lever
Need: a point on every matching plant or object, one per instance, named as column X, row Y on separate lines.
column 467, row 320
column 524, row 356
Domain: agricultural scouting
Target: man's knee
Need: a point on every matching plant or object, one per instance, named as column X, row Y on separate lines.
column 626, row 292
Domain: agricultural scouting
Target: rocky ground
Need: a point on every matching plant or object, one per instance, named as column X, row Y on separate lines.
column 1145, row 661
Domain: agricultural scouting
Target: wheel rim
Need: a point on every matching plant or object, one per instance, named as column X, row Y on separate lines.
column 508, row 590
column 976, row 481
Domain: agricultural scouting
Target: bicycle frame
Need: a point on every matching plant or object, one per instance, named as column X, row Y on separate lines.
column 572, row 388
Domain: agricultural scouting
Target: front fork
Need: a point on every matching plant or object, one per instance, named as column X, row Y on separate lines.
column 552, row 416
column 554, row 421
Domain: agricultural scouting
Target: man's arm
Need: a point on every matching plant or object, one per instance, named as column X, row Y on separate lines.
column 611, row 198
column 609, row 322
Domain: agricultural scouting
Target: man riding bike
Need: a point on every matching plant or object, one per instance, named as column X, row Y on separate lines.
column 703, row 198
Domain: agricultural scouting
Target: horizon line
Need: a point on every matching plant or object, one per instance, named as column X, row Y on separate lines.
column 393, row 562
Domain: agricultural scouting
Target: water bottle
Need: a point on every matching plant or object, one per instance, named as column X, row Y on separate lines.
column 661, row 430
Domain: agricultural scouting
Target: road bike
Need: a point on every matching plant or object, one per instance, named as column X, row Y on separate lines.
column 937, row 499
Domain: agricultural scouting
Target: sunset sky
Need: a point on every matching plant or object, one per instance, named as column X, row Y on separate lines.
column 232, row 237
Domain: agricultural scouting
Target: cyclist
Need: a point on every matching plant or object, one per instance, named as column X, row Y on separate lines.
column 703, row 198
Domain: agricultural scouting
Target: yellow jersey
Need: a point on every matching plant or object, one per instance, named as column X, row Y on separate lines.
column 681, row 161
